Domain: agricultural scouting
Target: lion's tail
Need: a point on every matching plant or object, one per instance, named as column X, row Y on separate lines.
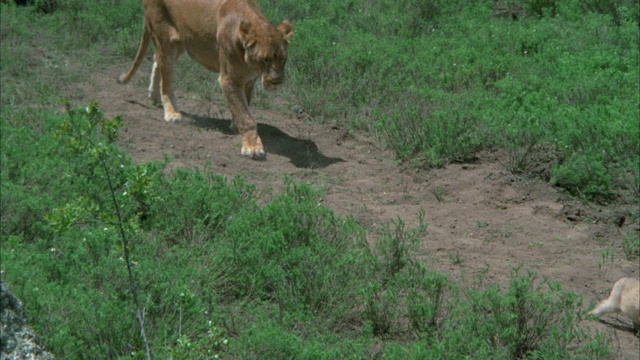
column 124, row 78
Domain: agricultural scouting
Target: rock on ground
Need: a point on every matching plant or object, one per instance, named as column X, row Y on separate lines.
column 17, row 339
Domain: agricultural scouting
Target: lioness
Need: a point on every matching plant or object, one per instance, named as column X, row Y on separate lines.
column 624, row 298
column 231, row 37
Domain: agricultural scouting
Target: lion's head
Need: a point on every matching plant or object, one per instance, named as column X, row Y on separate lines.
column 266, row 50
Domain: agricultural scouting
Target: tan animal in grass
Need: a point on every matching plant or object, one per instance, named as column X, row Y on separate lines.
column 230, row 37
column 624, row 298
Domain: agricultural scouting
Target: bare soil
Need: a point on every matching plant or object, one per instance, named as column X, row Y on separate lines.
column 480, row 216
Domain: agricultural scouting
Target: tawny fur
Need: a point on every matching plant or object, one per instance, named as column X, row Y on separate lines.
column 624, row 298
column 230, row 37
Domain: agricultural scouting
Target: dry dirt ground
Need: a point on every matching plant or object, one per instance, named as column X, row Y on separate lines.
column 480, row 217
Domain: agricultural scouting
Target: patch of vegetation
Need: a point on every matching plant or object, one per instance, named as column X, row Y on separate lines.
column 631, row 245
column 222, row 272
column 219, row 272
column 437, row 81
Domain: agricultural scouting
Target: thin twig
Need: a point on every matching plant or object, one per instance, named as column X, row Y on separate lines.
column 125, row 242
column 125, row 245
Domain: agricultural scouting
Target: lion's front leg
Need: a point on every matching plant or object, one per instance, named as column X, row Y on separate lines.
column 252, row 145
column 238, row 105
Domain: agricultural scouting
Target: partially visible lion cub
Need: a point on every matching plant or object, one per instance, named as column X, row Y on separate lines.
column 624, row 298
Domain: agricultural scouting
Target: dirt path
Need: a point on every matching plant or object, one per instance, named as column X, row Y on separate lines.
column 481, row 218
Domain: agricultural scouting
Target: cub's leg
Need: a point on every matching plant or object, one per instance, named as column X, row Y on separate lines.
column 236, row 94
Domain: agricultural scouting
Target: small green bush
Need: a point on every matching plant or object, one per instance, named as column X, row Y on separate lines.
column 631, row 245
column 583, row 176
column 426, row 301
column 529, row 319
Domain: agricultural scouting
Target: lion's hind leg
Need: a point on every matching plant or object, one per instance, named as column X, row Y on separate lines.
column 154, row 85
column 165, row 59
column 155, row 81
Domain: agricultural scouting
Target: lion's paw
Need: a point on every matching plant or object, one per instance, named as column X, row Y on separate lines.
column 255, row 154
column 171, row 117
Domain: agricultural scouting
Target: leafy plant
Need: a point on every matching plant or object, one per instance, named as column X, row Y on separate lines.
column 78, row 134
column 395, row 244
column 521, row 150
column 605, row 262
column 631, row 245
column 380, row 307
column 530, row 318
column 583, row 176
column 426, row 300
column 439, row 192
column 456, row 258
column 211, row 346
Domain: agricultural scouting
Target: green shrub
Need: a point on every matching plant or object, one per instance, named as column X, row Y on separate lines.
column 583, row 176
column 297, row 255
column 631, row 245
column 426, row 300
column 529, row 319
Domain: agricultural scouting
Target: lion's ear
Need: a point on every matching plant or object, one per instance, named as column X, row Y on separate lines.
column 246, row 35
column 286, row 29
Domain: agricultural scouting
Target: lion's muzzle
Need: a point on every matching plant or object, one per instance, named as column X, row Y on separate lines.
column 270, row 83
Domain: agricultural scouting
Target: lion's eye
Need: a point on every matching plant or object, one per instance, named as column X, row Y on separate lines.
column 265, row 62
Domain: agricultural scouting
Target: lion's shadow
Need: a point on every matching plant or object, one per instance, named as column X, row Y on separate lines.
column 621, row 326
column 303, row 153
